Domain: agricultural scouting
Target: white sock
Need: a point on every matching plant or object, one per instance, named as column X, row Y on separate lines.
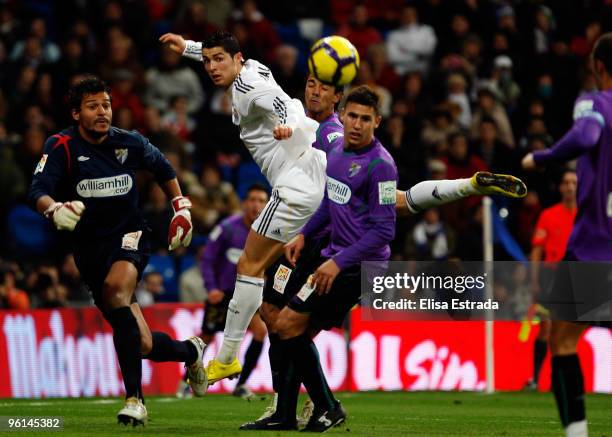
column 428, row 194
column 246, row 300
column 577, row 429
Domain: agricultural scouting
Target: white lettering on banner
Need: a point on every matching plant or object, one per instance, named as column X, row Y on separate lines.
column 600, row 340
column 186, row 323
column 366, row 356
column 105, row 187
column 434, row 368
column 338, row 192
column 58, row 365
column 334, row 359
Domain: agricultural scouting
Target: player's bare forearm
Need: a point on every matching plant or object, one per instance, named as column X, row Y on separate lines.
column 43, row 203
column 401, row 205
column 172, row 188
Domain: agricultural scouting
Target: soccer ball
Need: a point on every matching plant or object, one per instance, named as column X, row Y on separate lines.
column 334, row 60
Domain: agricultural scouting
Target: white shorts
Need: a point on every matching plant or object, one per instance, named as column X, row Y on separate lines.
column 295, row 197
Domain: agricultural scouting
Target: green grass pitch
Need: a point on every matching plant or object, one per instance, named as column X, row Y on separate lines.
column 370, row 414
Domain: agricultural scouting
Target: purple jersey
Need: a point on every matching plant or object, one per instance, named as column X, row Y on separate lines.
column 222, row 252
column 589, row 140
column 329, row 130
column 359, row 203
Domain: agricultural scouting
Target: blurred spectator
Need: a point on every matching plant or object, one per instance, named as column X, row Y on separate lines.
column 217, row 201
column 460, row 162
column 150, row 287
column 438, row 127
column 487, row 106
column 431, row 239
column 51, row 293
column 498, row 156
column 157, row 134
column 412, row 45
column 11, row 297
column 383, row 73
column 193, row 21
column 259, row 28
column 505, row 86
column 158, row 213
column 177, row 119
column 364, row 77
column 191, row 284
column 582, row 45
column 544, row 29
column 36, row 43
column 30, row 151
column 71, row 278
column 13, row 182
column 171, row 79
column 359, row 31
column 286, row 73
column 124, row 95
column 120, row 55
column 457, row 93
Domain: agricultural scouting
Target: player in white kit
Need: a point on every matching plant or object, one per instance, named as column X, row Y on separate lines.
column 278, row 134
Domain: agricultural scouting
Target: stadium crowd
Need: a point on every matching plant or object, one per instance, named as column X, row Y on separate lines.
column 466, row 85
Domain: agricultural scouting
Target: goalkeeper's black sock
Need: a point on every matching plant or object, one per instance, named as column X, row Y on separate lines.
column 165, row 348
column 250, row 360
column 126, row 336
column 275, row 355
column 568, row 387
column 539, row 353
column 306, row 359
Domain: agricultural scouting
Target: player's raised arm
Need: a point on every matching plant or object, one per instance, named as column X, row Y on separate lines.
column 188, row 48
column 584, row 134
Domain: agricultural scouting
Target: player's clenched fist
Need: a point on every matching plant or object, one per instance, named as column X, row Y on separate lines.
column 293, row 248
column 282, row 132
column 175, row 42
column 65, row 215
column 180, row 230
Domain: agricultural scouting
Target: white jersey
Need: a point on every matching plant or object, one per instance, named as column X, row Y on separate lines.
column 258, row 106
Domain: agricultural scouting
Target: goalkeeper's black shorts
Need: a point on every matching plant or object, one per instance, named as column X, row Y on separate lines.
column 94, row 259
column 283, row 281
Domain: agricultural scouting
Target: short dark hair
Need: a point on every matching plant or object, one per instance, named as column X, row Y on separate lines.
column 603, row 51
column 89, row 85
column 223, row 39
column 256, row 187
column 363, row 95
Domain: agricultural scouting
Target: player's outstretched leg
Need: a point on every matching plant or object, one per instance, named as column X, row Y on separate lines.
column 566, row 375
column 259, row 253
column 429, row 194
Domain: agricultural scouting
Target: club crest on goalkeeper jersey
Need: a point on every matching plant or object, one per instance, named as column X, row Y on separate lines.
column 102, row 176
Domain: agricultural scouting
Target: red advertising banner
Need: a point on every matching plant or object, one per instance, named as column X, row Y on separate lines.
column 70, row 352
column 425, row 355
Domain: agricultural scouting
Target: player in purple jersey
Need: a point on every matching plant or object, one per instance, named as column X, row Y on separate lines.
column 589, row 140
column 85, row 183
column 225, row 244
column 359, row 206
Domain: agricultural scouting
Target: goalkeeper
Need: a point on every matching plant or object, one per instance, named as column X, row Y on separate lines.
column 85, row 183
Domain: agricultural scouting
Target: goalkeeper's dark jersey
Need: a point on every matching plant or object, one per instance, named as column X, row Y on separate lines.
column 101, row 176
